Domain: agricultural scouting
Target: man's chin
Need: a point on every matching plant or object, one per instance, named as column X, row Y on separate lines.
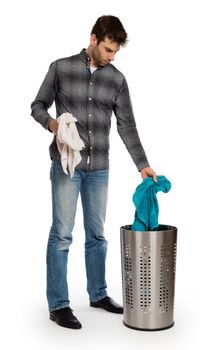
column 104, row 63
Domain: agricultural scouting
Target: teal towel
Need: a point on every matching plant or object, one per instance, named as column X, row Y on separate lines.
column 145, row 201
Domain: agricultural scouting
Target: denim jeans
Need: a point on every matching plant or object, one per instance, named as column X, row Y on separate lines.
column 93, row 188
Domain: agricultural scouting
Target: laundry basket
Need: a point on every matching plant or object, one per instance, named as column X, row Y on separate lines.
column 148, row 277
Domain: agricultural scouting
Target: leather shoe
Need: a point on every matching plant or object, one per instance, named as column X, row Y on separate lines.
column 65, row 318
column 107, row 304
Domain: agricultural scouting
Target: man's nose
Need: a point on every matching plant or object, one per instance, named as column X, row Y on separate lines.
column 111, row 56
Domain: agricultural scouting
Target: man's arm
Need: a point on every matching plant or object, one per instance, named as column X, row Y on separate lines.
column 45, row 99
column 127, row 130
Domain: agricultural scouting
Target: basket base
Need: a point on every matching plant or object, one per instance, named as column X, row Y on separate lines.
column 149, row 329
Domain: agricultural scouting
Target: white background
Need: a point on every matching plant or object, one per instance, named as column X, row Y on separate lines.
column 172, row 67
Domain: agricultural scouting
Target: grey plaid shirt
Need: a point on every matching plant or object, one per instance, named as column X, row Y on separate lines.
column 90, row 98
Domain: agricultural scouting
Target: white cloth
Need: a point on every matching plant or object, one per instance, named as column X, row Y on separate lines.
column 69, row 143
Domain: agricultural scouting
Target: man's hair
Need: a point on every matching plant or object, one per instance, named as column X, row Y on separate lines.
column 110, row 27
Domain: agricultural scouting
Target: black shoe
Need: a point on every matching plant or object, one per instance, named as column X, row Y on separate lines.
column 107, row 304
column 65, row 318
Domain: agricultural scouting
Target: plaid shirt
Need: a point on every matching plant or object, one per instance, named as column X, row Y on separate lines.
column 91, row 98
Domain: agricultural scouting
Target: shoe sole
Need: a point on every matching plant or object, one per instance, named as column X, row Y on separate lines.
column 101, row 307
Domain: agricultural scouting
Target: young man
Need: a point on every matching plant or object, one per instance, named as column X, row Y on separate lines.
column 90, row 88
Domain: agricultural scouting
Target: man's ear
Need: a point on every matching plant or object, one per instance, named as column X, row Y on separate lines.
column 93, row 40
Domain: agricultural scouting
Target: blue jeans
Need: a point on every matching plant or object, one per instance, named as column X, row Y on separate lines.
column 93, row 188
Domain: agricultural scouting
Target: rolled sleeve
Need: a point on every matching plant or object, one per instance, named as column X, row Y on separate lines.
column 45, row 97
column 126, row 127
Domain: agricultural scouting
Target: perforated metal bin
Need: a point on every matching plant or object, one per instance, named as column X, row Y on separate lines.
column 148, row 277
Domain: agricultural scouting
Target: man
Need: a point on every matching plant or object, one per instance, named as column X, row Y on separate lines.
column 90, row 88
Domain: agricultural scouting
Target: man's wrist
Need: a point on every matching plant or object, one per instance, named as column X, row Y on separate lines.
column 50, row 123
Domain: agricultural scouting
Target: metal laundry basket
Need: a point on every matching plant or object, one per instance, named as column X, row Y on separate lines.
column 148, row 277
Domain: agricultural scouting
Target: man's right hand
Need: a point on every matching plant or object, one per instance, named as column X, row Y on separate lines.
column 53, row 126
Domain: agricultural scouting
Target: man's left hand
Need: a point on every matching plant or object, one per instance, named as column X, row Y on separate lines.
column 147, row 172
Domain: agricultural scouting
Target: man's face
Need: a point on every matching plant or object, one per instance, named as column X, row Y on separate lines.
column 104, row 52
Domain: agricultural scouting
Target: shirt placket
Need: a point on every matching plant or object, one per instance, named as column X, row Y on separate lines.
column 90, row 117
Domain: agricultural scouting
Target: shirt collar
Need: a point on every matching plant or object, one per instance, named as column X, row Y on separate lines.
column 85, row 58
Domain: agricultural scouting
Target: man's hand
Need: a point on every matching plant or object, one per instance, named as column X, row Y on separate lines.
column 53, row 126
column 147, row 172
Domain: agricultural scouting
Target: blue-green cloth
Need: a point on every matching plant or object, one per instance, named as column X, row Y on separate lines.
column 145, row 201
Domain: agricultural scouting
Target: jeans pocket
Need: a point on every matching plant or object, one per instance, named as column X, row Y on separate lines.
column 54, row 168
column 51, row 171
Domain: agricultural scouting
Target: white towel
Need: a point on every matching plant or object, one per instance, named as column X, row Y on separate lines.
column 69, row 143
